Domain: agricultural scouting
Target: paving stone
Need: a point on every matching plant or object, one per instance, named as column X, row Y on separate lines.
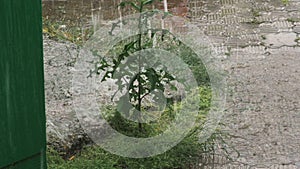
column 296, row 29
column 280, row 39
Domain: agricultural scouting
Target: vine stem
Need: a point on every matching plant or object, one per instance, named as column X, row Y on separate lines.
column 139, row 62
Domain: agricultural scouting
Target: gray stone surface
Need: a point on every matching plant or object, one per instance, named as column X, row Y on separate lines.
column 64, row 132
column 264, row 105
column 264, row 113
column 280, row 39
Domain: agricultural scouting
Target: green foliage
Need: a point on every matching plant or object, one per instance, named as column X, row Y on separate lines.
column 193, row 61
column 127, row 127
column 293, row 20
column 147, row 80
column 119, row 66
column 183, row 156
column 186, row 154
column 255, row 12
column 53, row 157
column 285, row 2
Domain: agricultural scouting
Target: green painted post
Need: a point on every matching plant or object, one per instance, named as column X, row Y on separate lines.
column 22, row 110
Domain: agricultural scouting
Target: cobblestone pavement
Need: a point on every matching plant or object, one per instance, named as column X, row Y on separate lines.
column 263, row 116
column 258, row 43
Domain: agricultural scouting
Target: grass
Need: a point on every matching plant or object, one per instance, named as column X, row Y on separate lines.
column 65, row 31
column 183, row 156
column 255, row 21
column 255, row 13
column 187, row 154
column 293, row 20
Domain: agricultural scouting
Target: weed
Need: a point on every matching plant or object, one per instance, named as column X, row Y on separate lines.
column 255, row 13
column 66, row 32
column 285, row 2
column 227, row 53
column 263, row 37
column 255, row 21
column 293, row 20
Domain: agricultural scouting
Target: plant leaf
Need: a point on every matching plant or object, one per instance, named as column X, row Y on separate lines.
column 123, row 4
column 147, row 2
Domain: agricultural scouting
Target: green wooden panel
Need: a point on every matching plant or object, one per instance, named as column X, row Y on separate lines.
column 31, row 162
column 22, row 112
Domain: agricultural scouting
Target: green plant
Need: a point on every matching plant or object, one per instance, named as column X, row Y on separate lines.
column 148, row 81
column 285, row 2
column 255, row 13
column 227, row 53
column 293, row 20
column 255, row 21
